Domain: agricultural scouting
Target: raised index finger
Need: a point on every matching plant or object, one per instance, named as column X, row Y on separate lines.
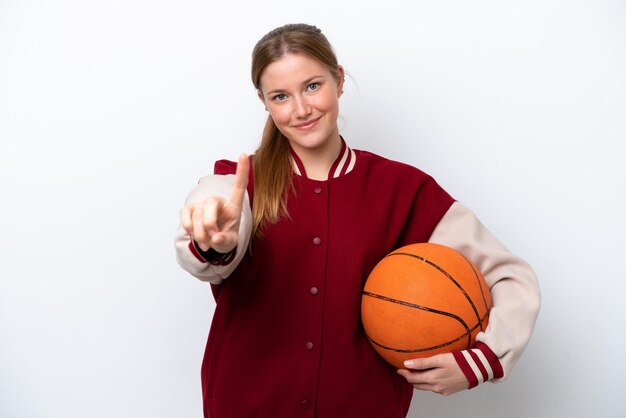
column 241, row 181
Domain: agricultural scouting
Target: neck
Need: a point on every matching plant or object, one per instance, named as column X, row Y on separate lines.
column 317, row 161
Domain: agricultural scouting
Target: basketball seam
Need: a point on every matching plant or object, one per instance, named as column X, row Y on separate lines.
column 449, row 276
column 480, row 286
column 413, row 305
column 434, row 347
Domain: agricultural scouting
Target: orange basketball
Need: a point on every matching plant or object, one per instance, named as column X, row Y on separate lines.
column 424, row 299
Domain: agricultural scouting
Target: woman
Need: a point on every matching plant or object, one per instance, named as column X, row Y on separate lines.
column 288, row 244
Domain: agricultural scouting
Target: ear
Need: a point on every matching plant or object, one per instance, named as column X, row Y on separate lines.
column 259, row 93
column 341, row 78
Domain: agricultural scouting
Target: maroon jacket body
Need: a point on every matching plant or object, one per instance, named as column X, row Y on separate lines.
column 287, row 338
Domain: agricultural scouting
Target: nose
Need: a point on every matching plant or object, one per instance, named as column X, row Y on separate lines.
column 302, row 108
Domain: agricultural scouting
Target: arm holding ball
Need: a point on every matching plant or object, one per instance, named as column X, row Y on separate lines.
column 516, row 300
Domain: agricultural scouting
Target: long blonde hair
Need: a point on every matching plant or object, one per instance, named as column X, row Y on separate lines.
column 272, row 166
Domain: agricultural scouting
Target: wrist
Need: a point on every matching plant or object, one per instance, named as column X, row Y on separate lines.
column 479, row 364
column 212, row 256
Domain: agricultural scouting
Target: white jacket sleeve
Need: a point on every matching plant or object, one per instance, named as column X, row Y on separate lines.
column 213, row 185
column 513, row 284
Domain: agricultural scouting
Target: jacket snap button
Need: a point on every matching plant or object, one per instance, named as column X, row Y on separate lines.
column 317, row 240
column 314, row 290
column 306, row 404
column 309, row 346
column 318, row 190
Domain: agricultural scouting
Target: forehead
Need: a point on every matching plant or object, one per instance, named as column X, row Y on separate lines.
column 290, row 70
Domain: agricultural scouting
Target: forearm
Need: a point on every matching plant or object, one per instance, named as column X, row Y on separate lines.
column 514, row 290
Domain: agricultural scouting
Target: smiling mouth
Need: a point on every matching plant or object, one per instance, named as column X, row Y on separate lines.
column 308, row 124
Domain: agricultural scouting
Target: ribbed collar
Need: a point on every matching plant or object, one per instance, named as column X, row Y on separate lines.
column 343, row 164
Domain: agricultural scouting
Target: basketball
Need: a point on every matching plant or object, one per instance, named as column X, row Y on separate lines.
column 424, row 299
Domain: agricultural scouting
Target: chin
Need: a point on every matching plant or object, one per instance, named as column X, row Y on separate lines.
column 313, row 141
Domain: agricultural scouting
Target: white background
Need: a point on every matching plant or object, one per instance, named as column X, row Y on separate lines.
column 110, row 111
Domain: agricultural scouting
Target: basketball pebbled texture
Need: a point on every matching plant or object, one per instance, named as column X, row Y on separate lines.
column 422, row 300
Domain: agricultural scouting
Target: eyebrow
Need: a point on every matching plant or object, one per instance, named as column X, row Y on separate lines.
column 304, row 83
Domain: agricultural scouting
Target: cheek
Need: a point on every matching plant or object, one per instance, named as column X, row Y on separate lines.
column 328, row 102
column 281, row 116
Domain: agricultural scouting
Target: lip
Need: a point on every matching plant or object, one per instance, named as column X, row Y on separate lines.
column 307, row 125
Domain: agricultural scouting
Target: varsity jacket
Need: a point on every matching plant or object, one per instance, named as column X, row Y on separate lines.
column 286, row 338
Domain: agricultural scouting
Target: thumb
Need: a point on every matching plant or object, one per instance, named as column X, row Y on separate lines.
column 224, row 242
column 421, row 363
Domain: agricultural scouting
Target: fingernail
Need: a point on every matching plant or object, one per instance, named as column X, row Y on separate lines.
column 408, row 363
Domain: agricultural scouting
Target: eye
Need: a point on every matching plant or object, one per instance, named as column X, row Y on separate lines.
column 279, row 98
column 313, row 86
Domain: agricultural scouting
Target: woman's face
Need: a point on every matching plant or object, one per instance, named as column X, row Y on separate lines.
column 301, row 96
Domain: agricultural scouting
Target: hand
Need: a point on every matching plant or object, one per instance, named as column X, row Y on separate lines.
column 214, row 222
column 440, row 374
